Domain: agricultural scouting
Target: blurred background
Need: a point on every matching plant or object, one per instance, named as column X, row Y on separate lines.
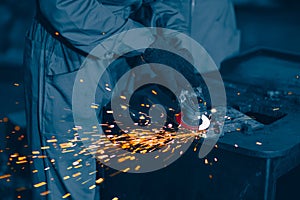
column 267, row 23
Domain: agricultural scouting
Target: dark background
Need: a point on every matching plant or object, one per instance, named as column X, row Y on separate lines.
column 268, row 23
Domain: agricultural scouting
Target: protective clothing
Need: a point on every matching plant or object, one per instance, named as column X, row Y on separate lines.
column 61, row 35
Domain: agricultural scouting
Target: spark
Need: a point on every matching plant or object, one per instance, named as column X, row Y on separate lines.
column 39, row 184
column 91, row 173
column 100, row 180
column 66, row 145
column 45, row 193
column 258, row 143
column 92, row 187
column 17, row 128
column 21, row 162
column 5, row 119
column 76, row 174
column 206, row 161
column 52, row 140
column 154, row 92
column 86, row 181
column 66, row 195
column 5, row 176
column 14, row 155
column 213, row 110
column 35, row 152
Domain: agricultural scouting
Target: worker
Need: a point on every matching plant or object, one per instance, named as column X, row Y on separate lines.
column 62, row 34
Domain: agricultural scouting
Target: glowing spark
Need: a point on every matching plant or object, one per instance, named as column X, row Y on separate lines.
column 39, row 184
column 92, row 187
column 52, row 140
column 21, row 162
column 76, row 174
column 66, row 195
column 213, row 110
column 100, row 180
column 5, row 119
column 66, row 145
column 5, row 176
column 94, row 172
column 259, row 143
column 124, row 107
column 154, row 92
column 42, row 156
column 206, row 161
column 94, row 106
column 14, row 155
column 45, row 193
column 17, row 128
column 126, row 170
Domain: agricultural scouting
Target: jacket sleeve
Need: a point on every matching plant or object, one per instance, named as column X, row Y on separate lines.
column 83, row 23
column 168, row 14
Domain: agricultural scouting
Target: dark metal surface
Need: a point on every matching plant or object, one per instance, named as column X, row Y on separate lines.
column 265, row 82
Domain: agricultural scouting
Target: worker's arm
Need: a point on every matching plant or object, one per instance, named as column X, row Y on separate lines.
column 167, row 14
column 83, row 23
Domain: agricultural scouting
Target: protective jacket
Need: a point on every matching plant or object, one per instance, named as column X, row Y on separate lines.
column 61, row 35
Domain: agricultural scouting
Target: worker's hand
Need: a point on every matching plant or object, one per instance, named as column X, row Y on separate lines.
column 168, row 50
column 166, row 42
